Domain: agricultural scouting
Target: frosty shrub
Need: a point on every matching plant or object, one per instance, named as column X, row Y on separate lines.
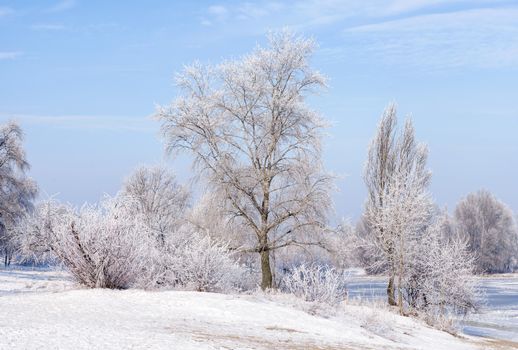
column 196, row 262
column 315, row 283
column 102, row 246
column 440, row 281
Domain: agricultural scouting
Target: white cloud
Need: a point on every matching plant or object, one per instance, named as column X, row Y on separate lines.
column 109, row 123
column 9, row 55
column 4, row 11
column 217, row 10
column 61, row 6
column 50, row 27
column 243, row 11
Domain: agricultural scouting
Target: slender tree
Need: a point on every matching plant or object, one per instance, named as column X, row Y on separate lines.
column 398, row 207
column 251, row 133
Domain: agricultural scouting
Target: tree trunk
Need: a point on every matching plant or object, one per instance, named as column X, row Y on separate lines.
column 390, row 292
column 400, row 296
column 266, row 270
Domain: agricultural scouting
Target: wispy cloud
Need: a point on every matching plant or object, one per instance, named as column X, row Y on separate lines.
column 48, row 27
column 61, row 6
column 310, row 14
column 434, row 34
column 4, row 11
column 9, row 55
column 478, row 38
column 217, row 10
column 244, row 11
column 108, row 123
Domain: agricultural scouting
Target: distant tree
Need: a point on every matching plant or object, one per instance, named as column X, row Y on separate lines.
column 17, row 190
column 157, row 197
column 398, row 206
column 250, row 131
column 492, row 234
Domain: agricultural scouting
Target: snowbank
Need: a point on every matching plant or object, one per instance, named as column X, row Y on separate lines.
column 57, row 317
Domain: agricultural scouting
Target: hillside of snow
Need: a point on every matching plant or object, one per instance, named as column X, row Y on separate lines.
column 45, row 310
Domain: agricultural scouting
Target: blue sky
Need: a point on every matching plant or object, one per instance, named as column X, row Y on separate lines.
column 83, row 77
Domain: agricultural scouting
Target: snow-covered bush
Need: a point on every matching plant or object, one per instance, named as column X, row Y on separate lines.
column 193, row 261
column 102, row 246
column 315, row 283
column 440, row 280
column 206, row 265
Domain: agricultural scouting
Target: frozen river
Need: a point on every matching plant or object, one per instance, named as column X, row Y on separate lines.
column 497, row 317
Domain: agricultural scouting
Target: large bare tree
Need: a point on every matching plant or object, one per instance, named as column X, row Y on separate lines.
column 251, row 133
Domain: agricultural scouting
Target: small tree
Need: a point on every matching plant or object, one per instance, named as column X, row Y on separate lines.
column 490, row 229
column 250, row 131
column 17, row 191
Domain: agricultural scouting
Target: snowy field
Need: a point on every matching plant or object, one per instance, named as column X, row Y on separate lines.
column 45, row 310
column 497, row 317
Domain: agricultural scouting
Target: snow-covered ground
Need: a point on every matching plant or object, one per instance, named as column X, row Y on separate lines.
column 44, row 310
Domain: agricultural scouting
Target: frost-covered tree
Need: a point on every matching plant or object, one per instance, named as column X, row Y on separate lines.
column 17, row 190
column 155, row 195
column 398, row 205
column 250, row 132
column 490, row 229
